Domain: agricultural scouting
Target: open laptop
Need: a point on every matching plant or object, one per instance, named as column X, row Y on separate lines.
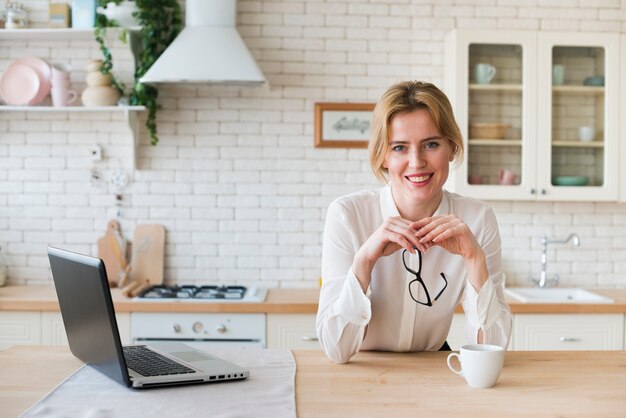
column 89, row 318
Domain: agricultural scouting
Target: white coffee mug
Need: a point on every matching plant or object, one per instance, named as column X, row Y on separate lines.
column 62, row 96
column 484, row 73
column 586, row 133
column 481, row 364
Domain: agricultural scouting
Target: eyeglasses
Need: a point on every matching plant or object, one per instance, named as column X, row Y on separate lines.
column 415, row 283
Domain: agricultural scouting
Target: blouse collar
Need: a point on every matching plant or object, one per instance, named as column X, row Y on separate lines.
column 389, row 209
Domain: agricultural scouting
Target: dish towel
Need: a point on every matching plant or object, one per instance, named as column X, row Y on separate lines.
column 268, row 392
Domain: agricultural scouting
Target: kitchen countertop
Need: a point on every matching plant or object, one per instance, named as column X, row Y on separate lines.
column 532, row 383
column 281, row 301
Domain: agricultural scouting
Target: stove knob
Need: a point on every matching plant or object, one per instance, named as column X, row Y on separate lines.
column 176, row 328
column 221, row 328
column 197, row 327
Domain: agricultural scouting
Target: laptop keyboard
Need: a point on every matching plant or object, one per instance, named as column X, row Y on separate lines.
column 148, row 363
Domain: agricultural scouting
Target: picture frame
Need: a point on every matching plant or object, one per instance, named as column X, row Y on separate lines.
column 343, row 125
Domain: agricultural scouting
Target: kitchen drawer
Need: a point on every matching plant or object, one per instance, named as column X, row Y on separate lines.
column 19, row 328
column 292, row 331
column 569, row 332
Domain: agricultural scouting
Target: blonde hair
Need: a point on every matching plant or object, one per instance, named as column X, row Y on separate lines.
column 408, row 96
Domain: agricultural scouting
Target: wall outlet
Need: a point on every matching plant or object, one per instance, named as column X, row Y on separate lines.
column 95, row 153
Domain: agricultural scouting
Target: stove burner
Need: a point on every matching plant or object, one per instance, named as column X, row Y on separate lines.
column 194, row 292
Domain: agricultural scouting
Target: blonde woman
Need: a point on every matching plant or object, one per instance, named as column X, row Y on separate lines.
column 397, row 261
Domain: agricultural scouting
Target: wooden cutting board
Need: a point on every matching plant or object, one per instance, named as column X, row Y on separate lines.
column 148, row 255
column 112, row 250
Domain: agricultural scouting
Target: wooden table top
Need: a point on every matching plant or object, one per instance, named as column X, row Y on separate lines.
column 375, row 384
column 280, row 301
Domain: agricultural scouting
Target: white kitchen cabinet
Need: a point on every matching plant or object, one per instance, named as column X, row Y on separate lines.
column 52, row 329
column 44, row 328
column 568, row 332
column 292, row 331
column 540, row 143
column 19, row 328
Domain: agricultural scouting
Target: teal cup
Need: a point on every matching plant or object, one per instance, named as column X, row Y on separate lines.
column 484, row 73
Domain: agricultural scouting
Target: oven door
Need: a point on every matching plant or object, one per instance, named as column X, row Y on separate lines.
column 199, row 329
column 203, row 344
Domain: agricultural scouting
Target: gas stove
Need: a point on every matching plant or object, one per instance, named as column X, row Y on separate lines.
column 191, row 293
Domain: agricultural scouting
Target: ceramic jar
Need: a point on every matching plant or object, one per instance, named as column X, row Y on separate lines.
column 99, row 91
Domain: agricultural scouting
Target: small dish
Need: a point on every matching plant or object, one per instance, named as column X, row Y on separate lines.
column 596, row 80
column 44, row 72
column 570, row 180
column 19, row 85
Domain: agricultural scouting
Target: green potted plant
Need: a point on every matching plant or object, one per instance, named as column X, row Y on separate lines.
column 160, row 22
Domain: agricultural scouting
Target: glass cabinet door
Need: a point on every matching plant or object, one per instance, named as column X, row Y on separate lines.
column 579, row 133
column 495, row 97
column 490, row 83
column 577, row 116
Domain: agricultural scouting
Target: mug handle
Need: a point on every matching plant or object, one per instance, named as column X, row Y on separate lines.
column 492, row 73
column 450, row 356
column 71, row 96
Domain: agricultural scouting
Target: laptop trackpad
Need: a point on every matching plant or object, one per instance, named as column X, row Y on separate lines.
column 190, row 356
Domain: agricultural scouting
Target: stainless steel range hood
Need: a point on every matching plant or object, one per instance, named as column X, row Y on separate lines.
column 209, row 50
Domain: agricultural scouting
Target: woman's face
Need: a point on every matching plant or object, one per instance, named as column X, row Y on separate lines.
column 417, row 160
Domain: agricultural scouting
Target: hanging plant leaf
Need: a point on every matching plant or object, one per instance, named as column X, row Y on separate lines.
column 161, row 22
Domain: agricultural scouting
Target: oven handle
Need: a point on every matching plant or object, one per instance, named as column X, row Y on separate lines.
column 308, row 338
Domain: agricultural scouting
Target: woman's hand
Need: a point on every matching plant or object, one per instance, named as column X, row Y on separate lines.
column 453, row 235
column 450, row 233
column 392, row 235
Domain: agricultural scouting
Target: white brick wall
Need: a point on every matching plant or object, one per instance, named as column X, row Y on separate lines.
column 236, row 180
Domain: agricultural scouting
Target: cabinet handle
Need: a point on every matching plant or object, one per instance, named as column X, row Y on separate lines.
column 307, row 338
column 569, row 339
column 532, row 191
column 543, row 191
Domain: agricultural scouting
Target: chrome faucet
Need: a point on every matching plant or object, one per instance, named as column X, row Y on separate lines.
column 543, row 280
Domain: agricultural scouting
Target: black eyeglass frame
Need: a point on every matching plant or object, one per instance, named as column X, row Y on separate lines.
column 418, row 278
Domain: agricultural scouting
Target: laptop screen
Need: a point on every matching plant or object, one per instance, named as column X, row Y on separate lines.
column 87, row 310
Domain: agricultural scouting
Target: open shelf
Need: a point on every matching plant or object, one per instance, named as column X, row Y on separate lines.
column 130, row 113
column 496, row 87
column 52, row 34
column 578, row 144
column 578, row 89
column 496, row 142
column 72, row 108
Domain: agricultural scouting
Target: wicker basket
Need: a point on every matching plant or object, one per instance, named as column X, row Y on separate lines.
column 488, row 130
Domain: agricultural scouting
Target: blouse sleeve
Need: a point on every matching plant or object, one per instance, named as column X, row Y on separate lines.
column 344, row 310
column 487, row 309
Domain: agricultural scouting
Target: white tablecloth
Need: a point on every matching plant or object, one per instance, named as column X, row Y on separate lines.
column 268, row 392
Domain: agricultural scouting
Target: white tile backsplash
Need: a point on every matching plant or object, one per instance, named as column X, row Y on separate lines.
column 235, row 178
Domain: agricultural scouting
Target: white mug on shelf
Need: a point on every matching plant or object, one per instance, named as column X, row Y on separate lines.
column 62, row 96
column 481, row 364
column 484, row 73
column 586, row 133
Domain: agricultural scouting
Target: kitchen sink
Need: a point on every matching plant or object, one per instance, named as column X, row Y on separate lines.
column 555, row 295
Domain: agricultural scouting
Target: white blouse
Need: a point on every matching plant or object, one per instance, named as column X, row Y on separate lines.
column 386, row 317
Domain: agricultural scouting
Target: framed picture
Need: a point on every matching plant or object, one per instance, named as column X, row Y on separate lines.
column 343, row 125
